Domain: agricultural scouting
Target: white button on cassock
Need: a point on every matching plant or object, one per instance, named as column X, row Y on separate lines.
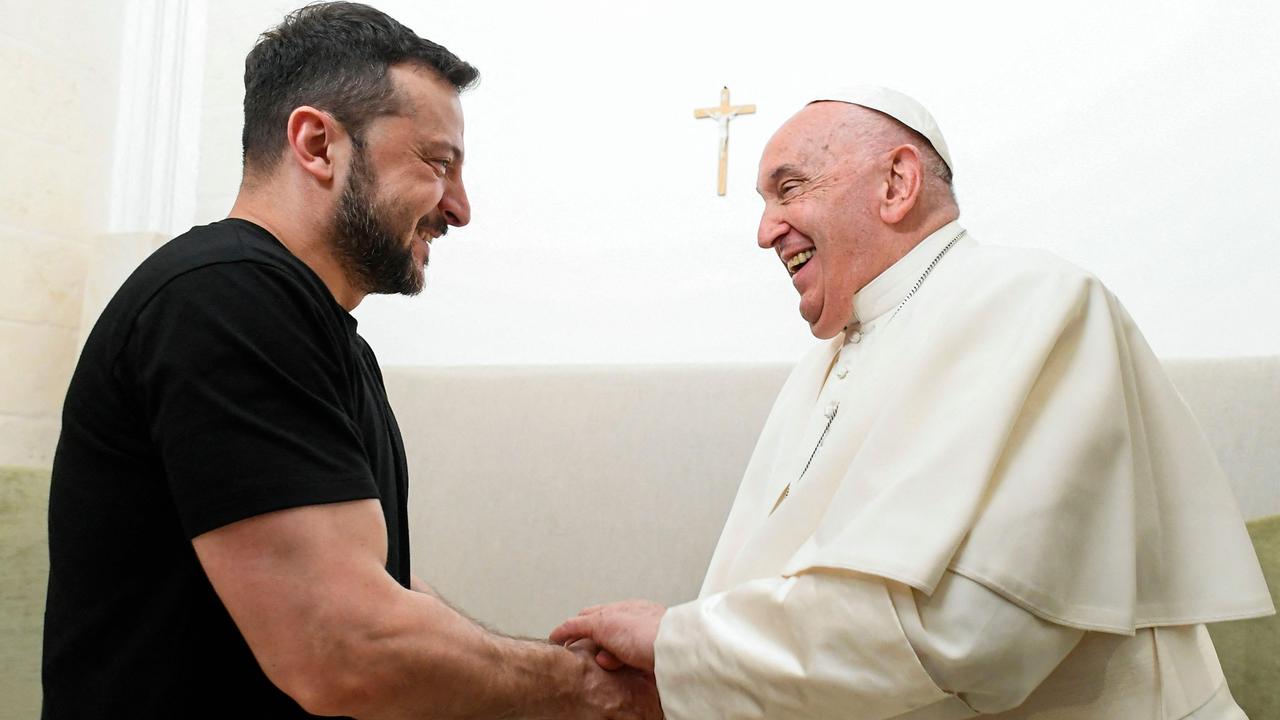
column 842, row 373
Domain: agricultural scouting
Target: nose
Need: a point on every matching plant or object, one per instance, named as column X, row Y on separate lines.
column 454, row 203
column 772, row 229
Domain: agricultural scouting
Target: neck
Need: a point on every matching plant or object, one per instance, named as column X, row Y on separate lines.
column 309, row 241
column 927, row 223
column 916, row 227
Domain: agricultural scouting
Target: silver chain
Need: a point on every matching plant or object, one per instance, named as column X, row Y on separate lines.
column 831, row 417
column 915, row 288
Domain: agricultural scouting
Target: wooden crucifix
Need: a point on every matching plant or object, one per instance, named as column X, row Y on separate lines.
column 722, row 115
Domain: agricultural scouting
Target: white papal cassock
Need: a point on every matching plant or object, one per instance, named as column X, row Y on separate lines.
column 1011, row 512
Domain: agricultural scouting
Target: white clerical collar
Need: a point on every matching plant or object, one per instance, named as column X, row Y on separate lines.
column 888, row 289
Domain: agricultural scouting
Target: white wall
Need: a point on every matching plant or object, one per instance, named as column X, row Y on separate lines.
column 58, row 73
column 1136, row 139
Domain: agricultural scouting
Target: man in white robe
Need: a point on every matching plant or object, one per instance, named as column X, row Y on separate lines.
column 978, row 495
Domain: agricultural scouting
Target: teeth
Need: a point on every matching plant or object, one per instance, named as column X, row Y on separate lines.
column 795, row 262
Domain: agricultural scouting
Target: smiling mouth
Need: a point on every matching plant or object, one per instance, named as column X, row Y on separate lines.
column 798, row 260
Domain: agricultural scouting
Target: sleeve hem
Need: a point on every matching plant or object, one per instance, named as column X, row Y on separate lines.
column 270, row 497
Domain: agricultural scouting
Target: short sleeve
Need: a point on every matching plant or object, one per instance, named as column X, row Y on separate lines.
column 243, row 377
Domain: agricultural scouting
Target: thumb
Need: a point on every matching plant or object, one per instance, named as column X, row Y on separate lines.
column 572, row 629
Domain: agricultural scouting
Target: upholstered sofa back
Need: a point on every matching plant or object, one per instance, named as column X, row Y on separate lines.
column 537, row 490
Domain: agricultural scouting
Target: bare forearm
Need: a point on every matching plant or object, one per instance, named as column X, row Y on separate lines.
column 417, row 584
column 421, row 656
column 308, row 589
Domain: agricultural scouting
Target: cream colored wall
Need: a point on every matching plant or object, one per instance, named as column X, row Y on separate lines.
column 58, row 86
column 1133, row 139
column 596, row 236
column 232, row 28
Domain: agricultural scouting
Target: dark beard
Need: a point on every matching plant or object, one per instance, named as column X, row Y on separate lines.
column 375, row 259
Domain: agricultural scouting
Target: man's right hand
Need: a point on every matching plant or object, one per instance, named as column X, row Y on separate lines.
column 309, row 590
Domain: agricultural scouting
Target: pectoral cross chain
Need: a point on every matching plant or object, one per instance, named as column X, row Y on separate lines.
column 831, row 418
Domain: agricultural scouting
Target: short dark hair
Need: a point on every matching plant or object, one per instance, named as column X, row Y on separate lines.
column 333, row 56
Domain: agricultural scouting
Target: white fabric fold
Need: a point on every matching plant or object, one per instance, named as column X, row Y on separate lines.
column 987, row 651
column 788, row 649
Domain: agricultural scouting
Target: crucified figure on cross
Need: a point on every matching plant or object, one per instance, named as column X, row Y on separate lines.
column 722, row 115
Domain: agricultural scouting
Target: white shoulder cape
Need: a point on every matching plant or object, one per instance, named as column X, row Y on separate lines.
column 1011, row 425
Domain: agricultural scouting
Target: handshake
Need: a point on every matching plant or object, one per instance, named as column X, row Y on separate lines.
column 619, row 637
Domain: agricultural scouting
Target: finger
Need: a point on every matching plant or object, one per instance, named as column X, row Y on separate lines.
column 585, row 646
column 564, row 636
column 572, row 629
column 609, row 661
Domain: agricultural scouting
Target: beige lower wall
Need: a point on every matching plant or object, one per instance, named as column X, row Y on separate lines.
column 57, row 291
column 40, row 310
column 38, row 363
column 28, row 442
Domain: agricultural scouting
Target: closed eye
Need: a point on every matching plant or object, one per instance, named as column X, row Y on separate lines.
column 440, row 165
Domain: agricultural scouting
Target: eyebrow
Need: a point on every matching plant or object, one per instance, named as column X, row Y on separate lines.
column 785, row 169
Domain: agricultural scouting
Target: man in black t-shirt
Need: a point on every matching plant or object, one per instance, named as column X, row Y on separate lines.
column 227, row 527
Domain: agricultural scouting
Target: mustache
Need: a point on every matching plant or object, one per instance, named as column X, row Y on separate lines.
column 436, row 226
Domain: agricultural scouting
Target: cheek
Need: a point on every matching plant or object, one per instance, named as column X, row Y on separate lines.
column 837, row 285
column 431, row 193
column 395, row 209
column 426, row 189
column 413, row 201
column 838, row 290
column 415, row 193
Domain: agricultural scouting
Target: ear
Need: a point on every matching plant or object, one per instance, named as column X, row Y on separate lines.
column 903, row 184
column 313, row 136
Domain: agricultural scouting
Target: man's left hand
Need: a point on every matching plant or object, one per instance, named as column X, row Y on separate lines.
column 624, row 630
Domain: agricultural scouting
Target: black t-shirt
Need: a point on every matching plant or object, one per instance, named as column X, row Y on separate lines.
column 221, row 382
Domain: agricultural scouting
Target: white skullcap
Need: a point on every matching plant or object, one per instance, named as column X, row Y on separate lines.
column 900, row 107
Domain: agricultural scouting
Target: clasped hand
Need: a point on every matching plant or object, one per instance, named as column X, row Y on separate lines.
column 625, row 632
column 620, row 636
